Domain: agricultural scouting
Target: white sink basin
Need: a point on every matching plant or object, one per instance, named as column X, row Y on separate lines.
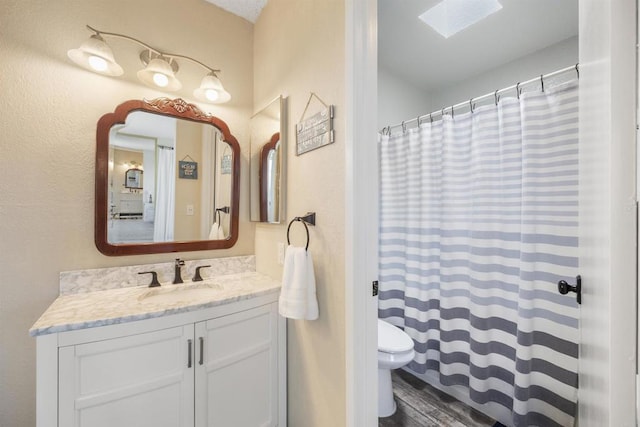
column 182, row 292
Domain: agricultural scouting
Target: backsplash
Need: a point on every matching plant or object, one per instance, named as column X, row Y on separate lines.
column 100, row 279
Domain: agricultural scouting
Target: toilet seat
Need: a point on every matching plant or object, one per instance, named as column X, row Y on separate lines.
column 392, row 339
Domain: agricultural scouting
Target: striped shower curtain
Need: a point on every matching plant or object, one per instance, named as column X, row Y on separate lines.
column 478, row 223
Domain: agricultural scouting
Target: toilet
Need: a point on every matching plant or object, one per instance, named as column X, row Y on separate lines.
column 395, row 349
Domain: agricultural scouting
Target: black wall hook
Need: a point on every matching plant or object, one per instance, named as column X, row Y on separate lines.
column 564, row 288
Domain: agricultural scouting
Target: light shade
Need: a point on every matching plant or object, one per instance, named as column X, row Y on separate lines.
column 451, row 16
column 211, row 90
column 96, row 55
column 158, row 74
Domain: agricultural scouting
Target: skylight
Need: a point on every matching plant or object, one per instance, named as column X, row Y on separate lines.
column 451, row 16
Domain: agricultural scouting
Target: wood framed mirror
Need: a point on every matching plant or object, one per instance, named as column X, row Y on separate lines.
column 190, row 195
column 268, row 163
column 269, row 179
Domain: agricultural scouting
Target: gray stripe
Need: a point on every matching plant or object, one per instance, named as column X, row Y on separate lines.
column 532, row 418
column 548, row 239
column 391, row 312
column 552, row 123
column 545, row 395
column 542, row 338
column 569, row 142
column 390, row 294
column 559, row 173
column 539, row 313
column 552, row 154
column 554, row 371
column 492, row 220
column 503, row 203
column 491, row 371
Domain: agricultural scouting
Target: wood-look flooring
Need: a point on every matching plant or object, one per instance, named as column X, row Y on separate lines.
column 421, row 405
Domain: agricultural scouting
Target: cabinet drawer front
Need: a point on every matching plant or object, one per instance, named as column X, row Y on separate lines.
column 140, row 380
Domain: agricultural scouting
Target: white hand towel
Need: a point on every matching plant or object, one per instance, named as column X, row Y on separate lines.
column 298, row 293
column 214, row 234
column 221, row 235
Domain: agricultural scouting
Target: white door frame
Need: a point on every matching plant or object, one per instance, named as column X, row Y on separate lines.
column 607, row 40
column 361, row 210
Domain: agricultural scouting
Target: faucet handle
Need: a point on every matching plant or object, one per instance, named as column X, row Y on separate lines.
column 179, row 262
column 154, row 278
column 197, row 277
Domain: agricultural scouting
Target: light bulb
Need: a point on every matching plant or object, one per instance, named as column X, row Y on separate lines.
column 212, row 94
column 160, row 79
column 97, row 63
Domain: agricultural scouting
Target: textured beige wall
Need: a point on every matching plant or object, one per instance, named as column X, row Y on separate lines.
column 299, row 48
column 50, row 108
column 189, row 137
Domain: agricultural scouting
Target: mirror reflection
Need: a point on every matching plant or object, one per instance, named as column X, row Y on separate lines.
column 267, row 163
column 187, row 187
column 133, row 179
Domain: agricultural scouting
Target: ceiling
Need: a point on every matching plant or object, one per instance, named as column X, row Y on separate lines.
column 413, row 51
column 247, row 9
column 141, row 129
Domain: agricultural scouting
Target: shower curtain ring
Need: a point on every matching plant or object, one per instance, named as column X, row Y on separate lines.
column 452, row 111
column 518, row 90
column 542, row 83
column 471, row 105
column 431, row 117
column 404, row 127
column 496, row 97
column 577, row 71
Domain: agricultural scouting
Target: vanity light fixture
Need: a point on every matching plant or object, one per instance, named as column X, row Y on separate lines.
column 160, row 67
column 96, row 55
column 158, row 73
column 211, row 90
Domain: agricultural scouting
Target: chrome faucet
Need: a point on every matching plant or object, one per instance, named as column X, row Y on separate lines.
column 177, row 277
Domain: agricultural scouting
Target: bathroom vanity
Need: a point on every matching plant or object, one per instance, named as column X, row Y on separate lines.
column 210, row 353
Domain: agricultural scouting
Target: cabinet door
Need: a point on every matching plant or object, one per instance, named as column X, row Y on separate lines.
column 138, row 380
column 237, row 370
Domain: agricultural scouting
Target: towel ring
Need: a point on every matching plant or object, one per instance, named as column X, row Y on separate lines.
column 296, row 219
column 309, row 218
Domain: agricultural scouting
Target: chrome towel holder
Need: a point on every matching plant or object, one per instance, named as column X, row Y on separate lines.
column 308, row 219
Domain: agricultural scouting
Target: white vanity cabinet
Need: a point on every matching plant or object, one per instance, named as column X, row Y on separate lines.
column 221, row 366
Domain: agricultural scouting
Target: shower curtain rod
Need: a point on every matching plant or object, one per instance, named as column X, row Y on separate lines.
column 470, row 102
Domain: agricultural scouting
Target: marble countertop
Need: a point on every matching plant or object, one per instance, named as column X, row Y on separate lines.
column 108, row 307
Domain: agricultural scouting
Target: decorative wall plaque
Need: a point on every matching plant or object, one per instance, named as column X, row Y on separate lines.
column 315, row 131
column 187, row 170
column 225, row 164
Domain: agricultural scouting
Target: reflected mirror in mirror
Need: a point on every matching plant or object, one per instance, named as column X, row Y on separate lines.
column 188, row 198
column 268, row 152
column 133, row 179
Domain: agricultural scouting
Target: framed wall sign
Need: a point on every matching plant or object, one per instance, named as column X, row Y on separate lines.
column 187, row 170
column 315, row 131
